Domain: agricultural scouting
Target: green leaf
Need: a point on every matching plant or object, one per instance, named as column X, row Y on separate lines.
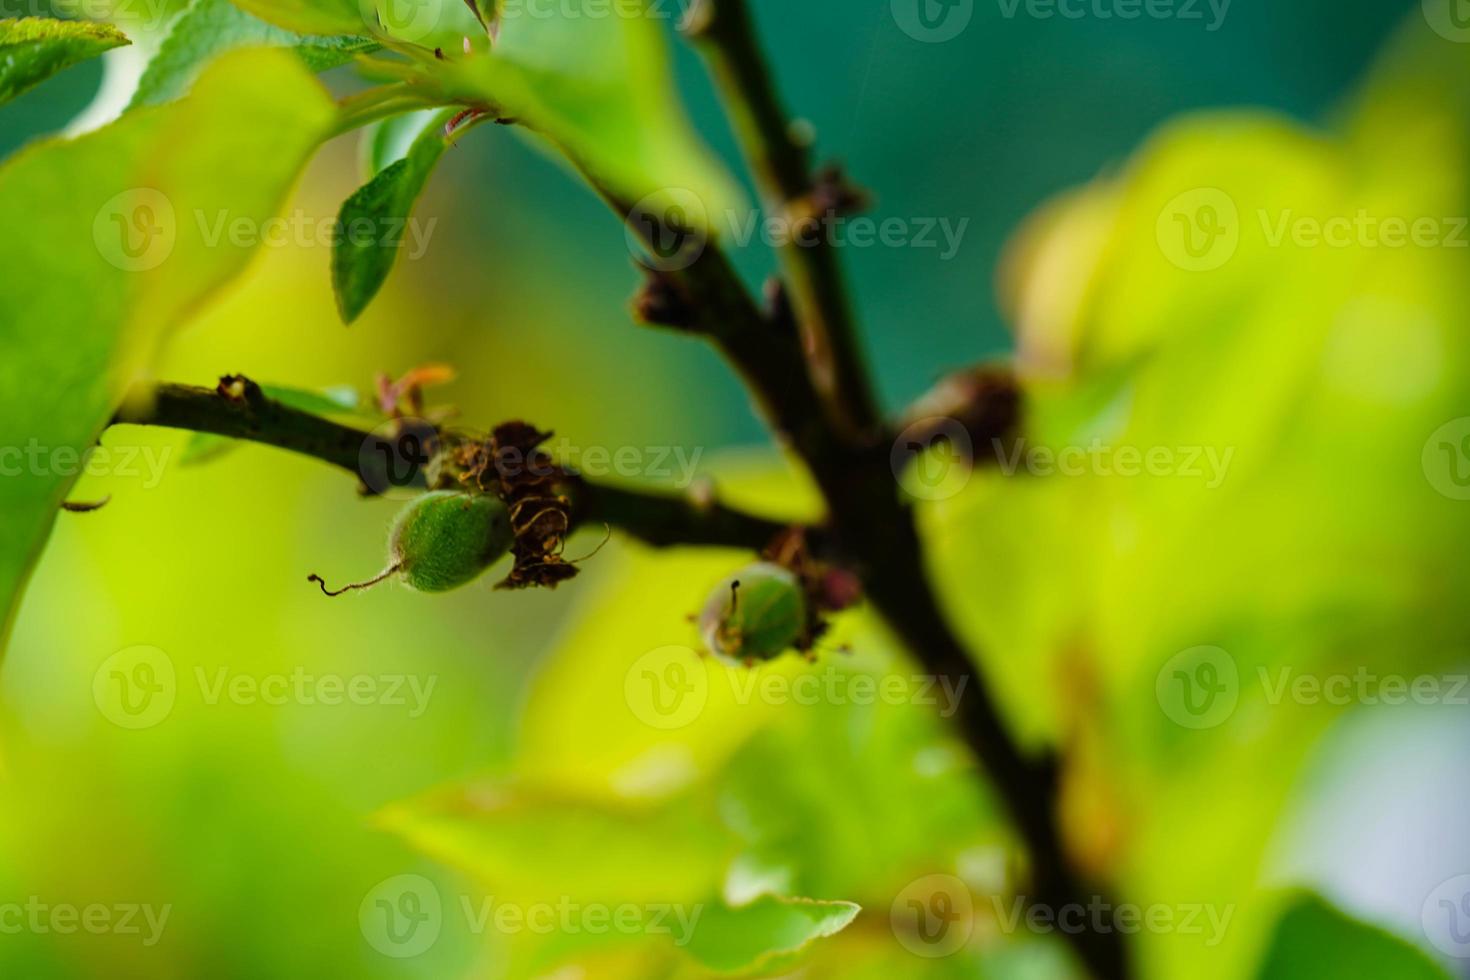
column 373, row 223
column 312, row 16
column 389, row 140
column 1314, row 939
column 32, row 49
column 598, row 87
column 208, row 28
column 537, row 844
column 205, row 447
column 1152, row 300
column 119, row 251
column 765, row 934
column 831, row 779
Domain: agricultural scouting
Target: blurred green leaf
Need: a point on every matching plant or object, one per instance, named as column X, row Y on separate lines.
column 534, row 844
column 1163, row 310
column 313, row 16
column 389, row 140
column 32, row 49
column 208, row 28
column 1313, row 939
column 599, row 87
column 119, row 251
column 625, row 705
column 373, row 222
column 766, row 934
column 836, row 775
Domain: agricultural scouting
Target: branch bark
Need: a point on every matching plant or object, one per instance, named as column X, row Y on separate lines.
column 238, row 409
column 830, row 417
column 724, row 31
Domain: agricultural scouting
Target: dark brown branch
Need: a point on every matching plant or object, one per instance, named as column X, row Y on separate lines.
column 872, row 530
column 669, row 520
column 724, row 31
column 238, row 409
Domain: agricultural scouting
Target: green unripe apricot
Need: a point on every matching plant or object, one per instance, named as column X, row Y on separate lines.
column 444, row 540
column 757, row 614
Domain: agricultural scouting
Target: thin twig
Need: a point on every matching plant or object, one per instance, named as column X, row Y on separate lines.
column 239, row 410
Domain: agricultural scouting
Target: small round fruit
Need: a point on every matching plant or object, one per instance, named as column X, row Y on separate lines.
column 757, row 614
column 443, row 540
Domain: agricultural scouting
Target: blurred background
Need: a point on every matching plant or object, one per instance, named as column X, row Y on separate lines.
column 262, row 825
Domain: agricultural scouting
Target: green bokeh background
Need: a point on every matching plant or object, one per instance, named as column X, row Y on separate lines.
column 253, row 822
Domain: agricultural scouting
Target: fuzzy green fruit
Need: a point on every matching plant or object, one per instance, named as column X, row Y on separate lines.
column 446, row 540
column 757, row 614
column 442, row 541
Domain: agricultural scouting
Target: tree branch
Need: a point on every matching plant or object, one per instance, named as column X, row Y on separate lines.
column 238, row 409
column 816, row 402
column 724, row 31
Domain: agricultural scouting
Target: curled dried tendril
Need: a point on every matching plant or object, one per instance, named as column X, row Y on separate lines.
column 512, row 464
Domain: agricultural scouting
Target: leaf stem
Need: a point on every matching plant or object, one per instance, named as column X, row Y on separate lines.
column 356, row 111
